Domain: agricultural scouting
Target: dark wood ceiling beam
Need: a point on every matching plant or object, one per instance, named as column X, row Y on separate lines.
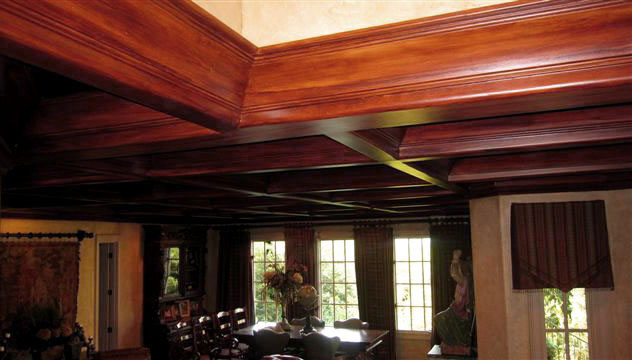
column 543, row 163
column 385, row 76
column 364, row 146
column 389, row 194
column 195, row 69
column 519, row 133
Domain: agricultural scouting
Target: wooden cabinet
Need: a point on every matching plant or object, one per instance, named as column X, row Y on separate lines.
column 174, row 268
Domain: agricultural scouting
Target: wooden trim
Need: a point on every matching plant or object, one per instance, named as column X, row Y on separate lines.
column 197, row 72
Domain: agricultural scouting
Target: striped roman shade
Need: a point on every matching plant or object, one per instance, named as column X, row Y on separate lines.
column 560, row 245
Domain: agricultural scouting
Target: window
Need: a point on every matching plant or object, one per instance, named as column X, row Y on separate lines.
column 266, row 253
column 171, row 264
column 339, row 294
column 413, row 294
column 565, row 324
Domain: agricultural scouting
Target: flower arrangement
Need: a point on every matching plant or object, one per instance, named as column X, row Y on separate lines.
column 282, row 285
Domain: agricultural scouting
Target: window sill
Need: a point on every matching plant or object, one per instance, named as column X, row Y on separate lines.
column 412, row 335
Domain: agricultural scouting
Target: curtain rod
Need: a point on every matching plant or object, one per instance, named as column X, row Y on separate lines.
column 426, row 219
column 80, row 235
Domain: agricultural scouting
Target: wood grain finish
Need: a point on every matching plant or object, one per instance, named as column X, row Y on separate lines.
column 555, row 162
column 563, row 47
column 518, row 133
column 171, row 56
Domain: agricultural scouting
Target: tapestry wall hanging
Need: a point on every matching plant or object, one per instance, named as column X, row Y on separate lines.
column 39, row 273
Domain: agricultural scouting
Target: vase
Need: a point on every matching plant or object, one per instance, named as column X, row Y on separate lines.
column 283, row 324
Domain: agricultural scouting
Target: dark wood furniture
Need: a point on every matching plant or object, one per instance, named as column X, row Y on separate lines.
column 350, row 339
column 269, row 342
column 320, row 347
column 228, row 346
column 240, row 319
column 161, row 308
column 123, row 354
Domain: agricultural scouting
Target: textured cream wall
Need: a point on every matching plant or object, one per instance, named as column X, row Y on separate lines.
column 130, row 271
column 278, row 21
column 502, row 314
column 227, row 11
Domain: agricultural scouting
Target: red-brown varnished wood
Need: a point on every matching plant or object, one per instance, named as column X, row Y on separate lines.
column 389, row 194
column 519, row 133
column 483, row 59
column 169, row 55
column 554, row 162
column 361, row 177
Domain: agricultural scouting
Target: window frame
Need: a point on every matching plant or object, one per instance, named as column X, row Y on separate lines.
column 566, row 330
column 168, row 273
column 265, row 299
column 427, row 327
column 333, row 281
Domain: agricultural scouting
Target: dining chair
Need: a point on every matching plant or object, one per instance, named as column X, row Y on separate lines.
column 204, row 335
column 227, row 346
column 320, row 347
column 352, row 323
column 316, row 322
column 280, row 357
column 240, row 319
column 182, row 341
column 268, row 342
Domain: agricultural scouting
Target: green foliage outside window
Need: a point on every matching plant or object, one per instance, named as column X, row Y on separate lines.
column 338, row 291
column 172, row 269
column 266, row 254
column 565, row 322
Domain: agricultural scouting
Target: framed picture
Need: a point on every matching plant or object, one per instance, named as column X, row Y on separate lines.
column 185, row 308
column 167, row 314
column 175, row 312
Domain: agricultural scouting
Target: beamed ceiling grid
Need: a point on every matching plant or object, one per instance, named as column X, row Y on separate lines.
column 104, row 119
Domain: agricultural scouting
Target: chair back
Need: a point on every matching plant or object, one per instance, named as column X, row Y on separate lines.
column 240, row 319
column 316, row 322
column 203, row 333
column 183, row 340
column 224, row 323
column 319, row 346
column 268, row 342
column 352, row 323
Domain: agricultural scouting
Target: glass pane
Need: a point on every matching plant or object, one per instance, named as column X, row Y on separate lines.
column 418, row 319
column 403, row 318
column 258, row 292
column 326, row 253
column 427, row 295
column 280, row 251
column 172, row 285
column 341, row 312
column 427, row 272
column 328, row 314
column 271, row 312
column 415, row 249
column 403, row 295
column 401, row 249
column 269, row 251
column 326, row 272
column 339, row 272
column 351, row 272
column 577, row 309
column 260, row 311
column 578, row 345
column 417, row 295
column 401, row 272
column 353, row 312
column 352, row 294
column 339, row 250
column 174, row 266
column 174, row 253
column 553, row 314
column 426, row 249
column 416, row 273
column 328, row 294
column 428, row 318
column 350, row 250
column 555, row 347
column 259, row 272
column 258, row 250
column 339, row 294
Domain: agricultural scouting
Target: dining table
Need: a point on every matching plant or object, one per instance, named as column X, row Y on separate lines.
column 351, row 340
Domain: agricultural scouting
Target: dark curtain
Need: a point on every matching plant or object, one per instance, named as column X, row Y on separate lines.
column 560, row 245
column 444, row 239
column 234, row 281
column 300, row 247
column 374, row 275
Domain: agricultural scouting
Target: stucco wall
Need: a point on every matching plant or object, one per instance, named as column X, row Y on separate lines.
column 226, row 11
column 130, row 271
column 503, row 314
